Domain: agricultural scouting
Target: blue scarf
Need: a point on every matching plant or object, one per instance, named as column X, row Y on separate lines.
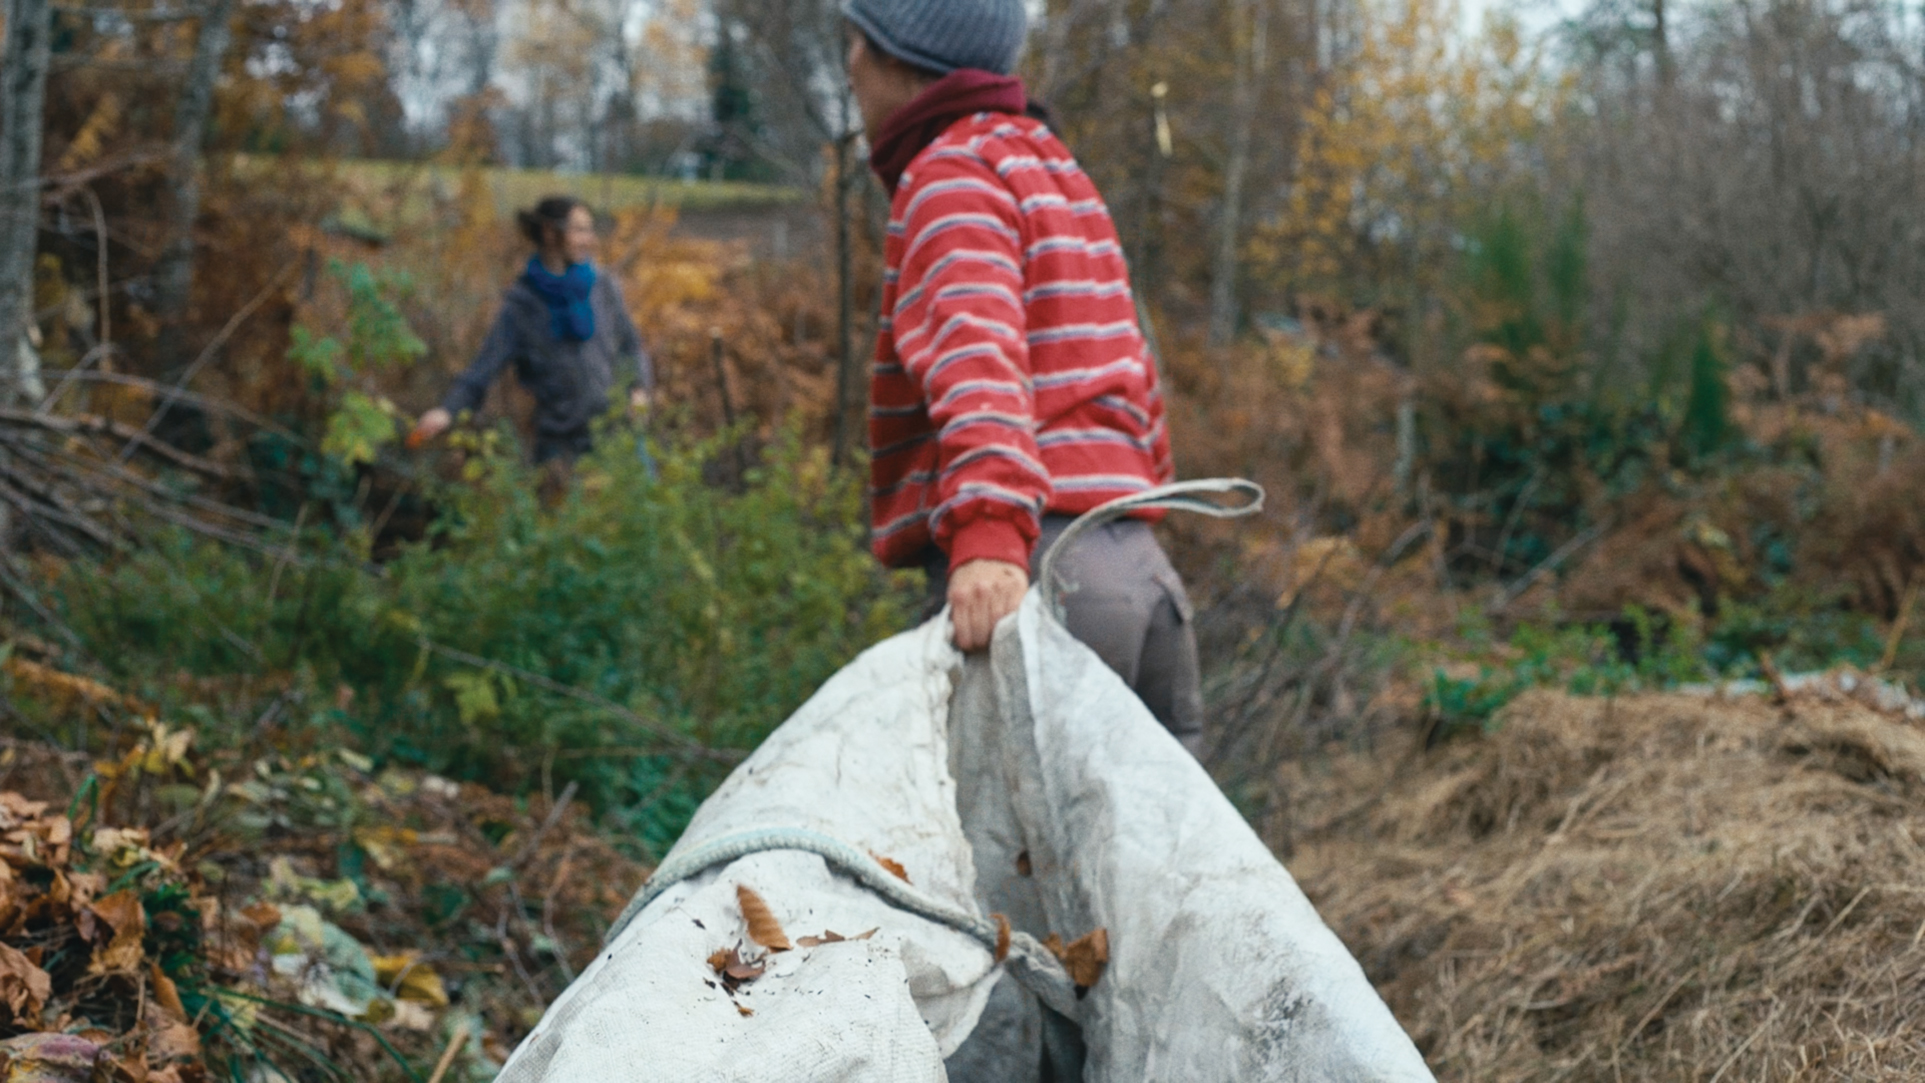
column 573, row 318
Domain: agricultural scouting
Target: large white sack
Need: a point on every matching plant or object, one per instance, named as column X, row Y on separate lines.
column 1220, row 969
column 863, row 761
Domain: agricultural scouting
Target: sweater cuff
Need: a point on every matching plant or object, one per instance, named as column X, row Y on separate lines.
column 990, row 539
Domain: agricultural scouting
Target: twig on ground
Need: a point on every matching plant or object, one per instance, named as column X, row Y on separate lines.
column 455, row 1041
column 208, row 352
column 1890, row 655
column 555, row 813
column 185, row 397
column 1550, row 565
column 90, row 423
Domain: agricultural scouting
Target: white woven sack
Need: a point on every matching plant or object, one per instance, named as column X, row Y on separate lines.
column 1031, row 783
column 1220, row 969
column 862, row 761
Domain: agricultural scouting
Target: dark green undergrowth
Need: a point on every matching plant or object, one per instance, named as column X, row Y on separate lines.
column 1642, row 651
column 707, row 611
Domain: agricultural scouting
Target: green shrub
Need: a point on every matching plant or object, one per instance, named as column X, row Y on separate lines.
column 1586, row 660
column 710, row 611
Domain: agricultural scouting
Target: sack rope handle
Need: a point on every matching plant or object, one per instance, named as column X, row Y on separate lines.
column 1032, row 964
column 1188, row 496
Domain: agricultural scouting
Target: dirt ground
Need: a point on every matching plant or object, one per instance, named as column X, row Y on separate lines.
column 1658, row 887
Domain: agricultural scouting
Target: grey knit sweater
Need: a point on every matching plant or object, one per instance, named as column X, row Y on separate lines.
column 569, row 380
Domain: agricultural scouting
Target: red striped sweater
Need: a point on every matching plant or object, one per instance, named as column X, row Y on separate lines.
column 1011, row 377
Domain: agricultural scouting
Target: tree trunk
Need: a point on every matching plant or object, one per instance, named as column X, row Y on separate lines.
column 1661, row 44
column 1251, row 17
column 174, row 277
column 23, row 95
column 846, row 371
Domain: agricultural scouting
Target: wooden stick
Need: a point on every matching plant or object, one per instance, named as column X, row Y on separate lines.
column 455, row 1041
column 1898, row 628
column 207, row 354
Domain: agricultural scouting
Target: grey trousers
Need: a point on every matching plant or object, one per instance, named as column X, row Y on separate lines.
column 1124, row 601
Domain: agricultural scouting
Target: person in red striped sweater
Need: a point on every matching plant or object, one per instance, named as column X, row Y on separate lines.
column 1012, row 387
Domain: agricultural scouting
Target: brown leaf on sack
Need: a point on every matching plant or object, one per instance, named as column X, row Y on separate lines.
column 895, row 867
column 1023, row 867
column 763, row 928
column 1002, row 937
column 829, row 936
column 122, row 913
column 24, row 987
column 867, row 935
column 744, row 1011
column 1085, row 958
column 728, row 963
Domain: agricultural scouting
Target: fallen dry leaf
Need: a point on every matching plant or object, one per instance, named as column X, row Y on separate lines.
column 895, row 867
column 176, row 1041
column 744, row 1011
column 1002, row 937
column 24, row 987
column 734, row 970
column 166, row 993
column 121, row 1068
column 122, row 913
column 108, row 918
column 1085, row 958
column 829, row 936
column 763, row 928
column 411, row 1015
column 49, row 1058
column 408, row 978
column 14, row 808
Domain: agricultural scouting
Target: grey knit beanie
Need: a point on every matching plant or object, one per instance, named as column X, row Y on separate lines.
column 943, row 35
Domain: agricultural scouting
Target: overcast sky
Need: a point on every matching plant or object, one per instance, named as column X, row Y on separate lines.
column 1536, row 14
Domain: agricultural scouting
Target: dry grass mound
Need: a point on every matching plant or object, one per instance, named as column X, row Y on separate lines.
column 1660, row 887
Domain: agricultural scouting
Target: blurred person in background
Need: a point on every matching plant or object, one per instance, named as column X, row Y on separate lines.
column 566, row 330
column 1013, row 389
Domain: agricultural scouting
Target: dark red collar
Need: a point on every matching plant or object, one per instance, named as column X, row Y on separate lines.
column 959, row 94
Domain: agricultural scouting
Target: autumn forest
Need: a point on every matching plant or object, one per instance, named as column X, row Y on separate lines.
column 1572, row 668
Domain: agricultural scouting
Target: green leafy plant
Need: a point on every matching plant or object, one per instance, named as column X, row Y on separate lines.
column 521, row 647
column 368, row 338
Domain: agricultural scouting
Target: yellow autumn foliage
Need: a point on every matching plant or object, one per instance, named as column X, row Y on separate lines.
column 1407, row 135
